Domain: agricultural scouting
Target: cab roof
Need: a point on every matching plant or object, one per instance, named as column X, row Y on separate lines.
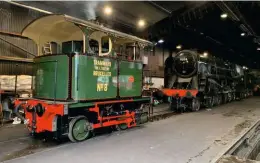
column 38, row 27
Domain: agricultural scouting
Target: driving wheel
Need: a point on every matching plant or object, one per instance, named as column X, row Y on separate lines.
column 195, row 106
column 79, row 129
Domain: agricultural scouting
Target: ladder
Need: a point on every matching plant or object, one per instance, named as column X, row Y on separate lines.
column 47, row 48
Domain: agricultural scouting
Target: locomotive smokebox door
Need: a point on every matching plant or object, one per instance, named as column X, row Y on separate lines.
column 185, row 63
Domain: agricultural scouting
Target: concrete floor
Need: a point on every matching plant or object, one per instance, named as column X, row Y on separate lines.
column 199, row 137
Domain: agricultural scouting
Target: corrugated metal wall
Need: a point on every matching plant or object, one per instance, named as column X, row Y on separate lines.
column 156, row 61
column 12, row 51
column 13, row 19
column 15, row 68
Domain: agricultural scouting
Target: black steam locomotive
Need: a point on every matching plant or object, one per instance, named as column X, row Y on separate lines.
column 193, row 80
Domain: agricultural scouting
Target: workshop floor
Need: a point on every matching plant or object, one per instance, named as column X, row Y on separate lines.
column 199, row 137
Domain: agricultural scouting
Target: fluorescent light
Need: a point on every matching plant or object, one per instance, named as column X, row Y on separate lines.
column 161, row 41
column 223, row 16
column 242, row 34
column 108, row 10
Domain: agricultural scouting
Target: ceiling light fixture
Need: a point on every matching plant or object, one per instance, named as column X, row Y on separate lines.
column 141, row 23
column 161, row 41
column 242, row 34
column 178, row 47
column 224, row 16
column 245, row 68
column 108, row 10
column 258, row 49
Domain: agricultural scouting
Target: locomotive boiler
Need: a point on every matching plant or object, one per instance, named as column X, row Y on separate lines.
column 193, row 80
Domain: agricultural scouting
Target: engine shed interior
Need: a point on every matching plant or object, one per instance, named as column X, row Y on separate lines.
column 146, row 81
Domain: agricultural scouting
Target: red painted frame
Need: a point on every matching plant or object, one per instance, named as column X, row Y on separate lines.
column 180, row 92
column 44, row 123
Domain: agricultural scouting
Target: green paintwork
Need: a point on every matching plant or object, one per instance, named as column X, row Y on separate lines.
column 188, row 94
column 81, row 105
column 80, row 131
column 44, row 84
column 122, row 126
column 127, row 70
column 147, row 99
column 85, row 84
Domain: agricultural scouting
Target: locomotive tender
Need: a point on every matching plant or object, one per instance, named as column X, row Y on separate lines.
column 86, row 77
column 192, row 80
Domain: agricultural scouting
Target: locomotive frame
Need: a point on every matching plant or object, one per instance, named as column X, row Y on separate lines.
column 82, row 89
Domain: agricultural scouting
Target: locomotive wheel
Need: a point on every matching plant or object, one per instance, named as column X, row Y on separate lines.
column 210, row 102
column 225, row 98
column 195, row 105
column 219, row 100
column 229, row 97
column 79, row 129
column 174, row 105
column 215, row 100
column 144, row 118
column 233, row 97
column 122, row 126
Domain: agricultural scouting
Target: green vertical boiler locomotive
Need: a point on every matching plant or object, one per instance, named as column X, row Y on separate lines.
column 85, row 77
